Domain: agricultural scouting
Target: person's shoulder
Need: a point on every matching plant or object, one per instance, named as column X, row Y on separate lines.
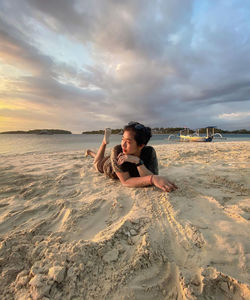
column 148, row 152
column 148, row 149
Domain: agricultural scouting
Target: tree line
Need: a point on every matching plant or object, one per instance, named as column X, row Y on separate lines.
column 172, row 130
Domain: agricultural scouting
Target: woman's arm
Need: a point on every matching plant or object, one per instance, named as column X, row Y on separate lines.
column 161, row 182
column 142, row 169
column 146, row 180
column 128, row 181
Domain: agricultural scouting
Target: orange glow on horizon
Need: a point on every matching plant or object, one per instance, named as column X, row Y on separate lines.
column 19, row 124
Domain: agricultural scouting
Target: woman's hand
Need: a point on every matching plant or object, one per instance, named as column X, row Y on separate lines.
column 163, row 183
column 122, row 158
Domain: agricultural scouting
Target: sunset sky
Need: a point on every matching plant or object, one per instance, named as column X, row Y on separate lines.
column 84, row 65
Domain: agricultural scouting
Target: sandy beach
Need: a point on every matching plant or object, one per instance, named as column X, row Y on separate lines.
column 67, row 232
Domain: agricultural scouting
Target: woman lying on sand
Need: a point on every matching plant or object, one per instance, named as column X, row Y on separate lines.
column 134, row 163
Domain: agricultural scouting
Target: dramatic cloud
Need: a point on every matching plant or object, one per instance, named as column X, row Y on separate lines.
column 83, row 65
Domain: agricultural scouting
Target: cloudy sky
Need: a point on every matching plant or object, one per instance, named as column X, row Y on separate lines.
column 81, row 65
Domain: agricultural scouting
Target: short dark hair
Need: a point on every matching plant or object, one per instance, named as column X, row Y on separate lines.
column 142, row 133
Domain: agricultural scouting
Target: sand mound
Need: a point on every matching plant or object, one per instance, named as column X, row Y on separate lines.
column 70, row 233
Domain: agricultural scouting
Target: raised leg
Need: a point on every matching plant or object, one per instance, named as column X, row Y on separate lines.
column 99, row 156
column 101, row 151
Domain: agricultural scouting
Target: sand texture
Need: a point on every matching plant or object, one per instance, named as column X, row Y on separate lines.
column 67, row 232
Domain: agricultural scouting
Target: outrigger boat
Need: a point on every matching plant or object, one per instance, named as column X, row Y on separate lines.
column 195, row 137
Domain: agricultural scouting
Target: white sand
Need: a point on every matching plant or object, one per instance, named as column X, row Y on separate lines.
column 67, row 232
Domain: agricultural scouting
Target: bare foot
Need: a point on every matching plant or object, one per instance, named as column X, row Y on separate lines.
column 90, row 152
column 86, row 154
column 107, row 133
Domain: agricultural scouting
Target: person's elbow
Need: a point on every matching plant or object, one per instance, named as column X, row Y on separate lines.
column 126, row 183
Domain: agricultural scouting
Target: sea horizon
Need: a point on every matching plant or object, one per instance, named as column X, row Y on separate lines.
column 12, row 144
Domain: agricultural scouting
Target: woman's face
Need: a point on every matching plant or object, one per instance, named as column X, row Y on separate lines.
column 129, row 145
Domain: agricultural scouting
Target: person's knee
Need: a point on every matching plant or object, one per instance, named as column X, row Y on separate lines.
column 97, row 166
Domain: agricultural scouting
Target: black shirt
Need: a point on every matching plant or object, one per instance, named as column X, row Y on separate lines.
column 148, row 155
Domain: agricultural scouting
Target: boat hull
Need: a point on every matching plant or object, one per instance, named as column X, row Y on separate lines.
column 188, row 138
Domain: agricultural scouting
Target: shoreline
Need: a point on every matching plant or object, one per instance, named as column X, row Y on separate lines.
column 65, row 143
column 66, row 230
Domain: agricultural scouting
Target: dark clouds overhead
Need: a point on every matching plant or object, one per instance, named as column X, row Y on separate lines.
column 164, row 63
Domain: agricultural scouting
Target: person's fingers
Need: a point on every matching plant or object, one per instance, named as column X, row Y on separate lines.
column 169, row 185
column 171, row 188
column 120, row 161
column 172, row 185
column 166, row 188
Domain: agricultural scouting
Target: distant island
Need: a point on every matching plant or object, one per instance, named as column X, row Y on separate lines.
column 172, row 130
column 114, row 131
column 39, row 131
column 169, row 130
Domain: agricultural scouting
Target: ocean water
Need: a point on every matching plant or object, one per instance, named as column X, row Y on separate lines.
column 30, row 143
